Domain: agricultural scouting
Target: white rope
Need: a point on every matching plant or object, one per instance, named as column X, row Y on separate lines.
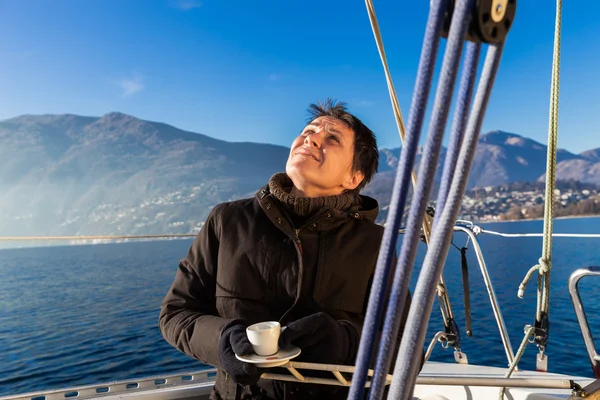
column 515, row 235
column 551, row 166
column 545, row 261
column 184, row 235
column 106, row 237
column 513, row 365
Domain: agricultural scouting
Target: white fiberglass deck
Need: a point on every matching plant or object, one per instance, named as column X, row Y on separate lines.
column 460, row 371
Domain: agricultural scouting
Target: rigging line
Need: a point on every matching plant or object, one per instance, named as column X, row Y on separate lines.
column 407, row 365
column 425, row 225
column 183, row 235
column 517, row 235
column 528, row 333
column 97, row 237
column 551, row 161
column 392, row 93
column 399, row 193
column 461, row 121
column 544, row 265
column 427, row 168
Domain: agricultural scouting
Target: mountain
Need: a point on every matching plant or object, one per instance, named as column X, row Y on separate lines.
column 508, row 157
column 591, row 155
column 585, row 168
column 500, row 158
column 116, row 174
column 503, row 157
column 72, row 175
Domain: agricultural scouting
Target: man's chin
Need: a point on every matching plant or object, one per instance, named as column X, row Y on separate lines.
column 300, row 174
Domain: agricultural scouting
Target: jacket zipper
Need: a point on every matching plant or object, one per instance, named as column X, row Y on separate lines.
column 298, row 239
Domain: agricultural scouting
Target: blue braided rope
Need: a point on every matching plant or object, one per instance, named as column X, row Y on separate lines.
column 407, row 362
column 428, row 166
column 398, row 200
column 459, row 124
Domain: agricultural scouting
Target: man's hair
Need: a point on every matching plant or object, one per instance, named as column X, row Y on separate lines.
column 366, row 153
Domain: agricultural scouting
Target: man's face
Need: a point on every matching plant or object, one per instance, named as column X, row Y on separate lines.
column 320, row 160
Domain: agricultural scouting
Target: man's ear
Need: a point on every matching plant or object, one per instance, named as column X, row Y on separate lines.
column 353, row 180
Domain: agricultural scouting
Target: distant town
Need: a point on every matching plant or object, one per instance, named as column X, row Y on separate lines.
column 521, row 200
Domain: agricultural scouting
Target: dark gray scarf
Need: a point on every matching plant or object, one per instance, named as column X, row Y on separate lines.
column 281, row 185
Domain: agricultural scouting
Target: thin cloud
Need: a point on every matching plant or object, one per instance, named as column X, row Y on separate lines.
column 131, row 85
column 365, row 103
column 186, row 5
column 274, row 77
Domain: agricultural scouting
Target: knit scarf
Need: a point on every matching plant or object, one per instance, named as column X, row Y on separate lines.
column 281, row 185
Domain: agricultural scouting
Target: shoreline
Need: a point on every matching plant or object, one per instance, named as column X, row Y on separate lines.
column 539, row 219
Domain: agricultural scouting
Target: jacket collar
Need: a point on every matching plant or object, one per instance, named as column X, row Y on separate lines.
column 326, row 219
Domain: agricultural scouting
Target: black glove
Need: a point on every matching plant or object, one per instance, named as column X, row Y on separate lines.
column 234, row 341
column 322, row 339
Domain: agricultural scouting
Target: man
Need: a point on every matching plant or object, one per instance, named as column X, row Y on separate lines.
column 302, row 251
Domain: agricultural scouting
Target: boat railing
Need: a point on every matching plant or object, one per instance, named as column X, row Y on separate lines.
column 194, row 383
column 588, row 339
column 472, row 230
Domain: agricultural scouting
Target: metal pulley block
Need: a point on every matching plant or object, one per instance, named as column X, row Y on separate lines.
column 542, row 329
column 490, row 21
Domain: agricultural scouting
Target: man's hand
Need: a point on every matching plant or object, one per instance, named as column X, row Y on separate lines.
column 322, row 339
column 234, row 341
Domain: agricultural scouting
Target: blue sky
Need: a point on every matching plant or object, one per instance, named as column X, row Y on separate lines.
column 247, row 70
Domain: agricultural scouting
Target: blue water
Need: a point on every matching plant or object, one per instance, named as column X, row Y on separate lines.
column 78, row 315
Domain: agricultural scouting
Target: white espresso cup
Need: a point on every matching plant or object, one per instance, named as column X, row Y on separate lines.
column 264, row 337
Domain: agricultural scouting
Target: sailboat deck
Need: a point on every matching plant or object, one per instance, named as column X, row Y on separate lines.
column 198, row 384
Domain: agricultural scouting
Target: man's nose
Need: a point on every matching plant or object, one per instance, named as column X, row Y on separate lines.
column 313, row 140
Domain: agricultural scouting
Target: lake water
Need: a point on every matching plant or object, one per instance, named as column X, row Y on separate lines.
column 77, row 315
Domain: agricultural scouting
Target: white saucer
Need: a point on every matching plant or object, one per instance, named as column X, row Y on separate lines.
column 275, row 360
